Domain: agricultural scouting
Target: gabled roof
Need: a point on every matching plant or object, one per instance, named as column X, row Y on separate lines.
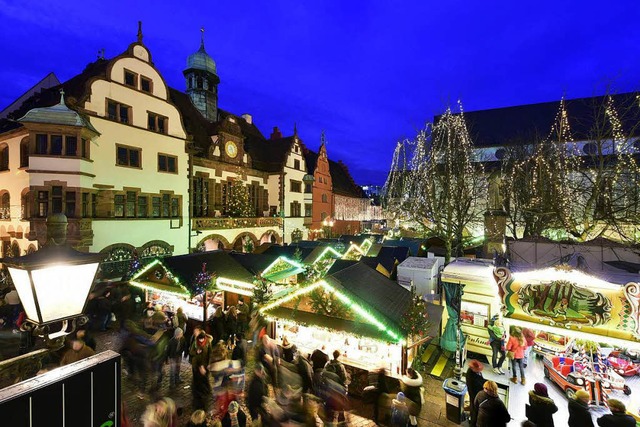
column 270, row 155
column 311, row 159
column 389, row 255
column 287, row 251
column 340, row 264
column 384, row 295
column 526, row 123
column 343, row 183
column 221, row 263
column 253, row 263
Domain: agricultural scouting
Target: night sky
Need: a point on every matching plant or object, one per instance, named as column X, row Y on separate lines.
column 369, row 73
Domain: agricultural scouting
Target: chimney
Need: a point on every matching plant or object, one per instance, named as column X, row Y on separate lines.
column 247, row 118
column 276, row 134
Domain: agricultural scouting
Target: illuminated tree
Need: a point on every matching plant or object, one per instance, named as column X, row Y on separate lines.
column 442, row 188
column 239, row 199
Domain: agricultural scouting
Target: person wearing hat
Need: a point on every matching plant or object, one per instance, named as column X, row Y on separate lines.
column 618, row 416
column 399, row 411
column 541, row 407
column 491, row 410
column 235, row 416
column 579, row 415
column 475, row 381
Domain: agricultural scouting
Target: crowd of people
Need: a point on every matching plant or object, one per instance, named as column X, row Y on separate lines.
column 487, row 410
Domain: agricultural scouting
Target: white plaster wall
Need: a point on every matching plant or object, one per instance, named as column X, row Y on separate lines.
column 138, row 232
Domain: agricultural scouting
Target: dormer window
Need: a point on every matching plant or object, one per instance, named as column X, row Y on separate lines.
column 146, row 85
column 130, row 79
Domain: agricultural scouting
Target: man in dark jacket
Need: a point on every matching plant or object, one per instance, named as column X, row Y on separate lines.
column 475, row 381
column 240, row 350
column 541, row 406
column 618, row 416
column 336, row 367
column 256, row 392
column 319, row 359
column 579, row 415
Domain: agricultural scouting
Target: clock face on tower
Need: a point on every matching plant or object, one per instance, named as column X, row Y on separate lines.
column 231, row 149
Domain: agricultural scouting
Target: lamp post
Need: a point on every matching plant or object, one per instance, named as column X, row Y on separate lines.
column 53, row 283
column 328, row 224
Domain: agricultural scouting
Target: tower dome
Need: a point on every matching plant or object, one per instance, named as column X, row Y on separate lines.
column 201, row 60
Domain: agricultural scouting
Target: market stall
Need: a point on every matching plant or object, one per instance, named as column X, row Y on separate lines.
column 360, row 318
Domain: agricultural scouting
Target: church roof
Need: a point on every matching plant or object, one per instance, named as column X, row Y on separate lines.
column 200, row 60
column 526, row 123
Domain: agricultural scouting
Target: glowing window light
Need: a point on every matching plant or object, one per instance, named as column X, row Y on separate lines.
column 232, row 282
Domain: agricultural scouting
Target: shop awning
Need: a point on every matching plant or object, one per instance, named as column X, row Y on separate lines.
column 179, row 291
column 333, row 323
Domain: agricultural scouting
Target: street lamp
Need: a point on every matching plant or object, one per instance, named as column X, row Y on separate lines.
column 53, row 283
column 328, row 226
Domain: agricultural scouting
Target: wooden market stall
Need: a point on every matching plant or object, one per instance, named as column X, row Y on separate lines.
column 356, row 311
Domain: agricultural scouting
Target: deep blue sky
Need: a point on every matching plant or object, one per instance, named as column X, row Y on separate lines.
column 369, row 73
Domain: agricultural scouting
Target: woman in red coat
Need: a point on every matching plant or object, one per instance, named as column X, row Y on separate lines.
column 516, row 345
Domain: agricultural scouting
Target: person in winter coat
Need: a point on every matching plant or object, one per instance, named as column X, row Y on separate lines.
column 541, row 406
column 216, row 324
column 256, row 392
column 579, row 415
column 411, row 386
column 516, row 345
column 174, row 355
column 200, row 357
column 399, row 411
column 491, row 410
column 475, row 382
column 618, row 416
column 231, row 323
column 319, row 359
column 243, row 317
column 496, row 341
column 288, row 350
column 198, row 419
column 529, row 337
column 181, row 319
column 235, row 417
column 240, row 350
column 78, row 351
column 335, row 366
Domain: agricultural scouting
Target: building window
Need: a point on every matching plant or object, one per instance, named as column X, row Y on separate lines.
column 175, row 207
column 155, row 207
column 130, row 207
column 166, row 205
column 156, row 123
column 71, row 146
column 56, row 199
column 308, row 208
column 24, row 154
column 167, row 163
column 295, row 208
column 84, row 149
column 94, row 205
column 119, row 112
column 296, row 186
column 296, row 164
column 56, row 145
column 43, row 203
column 42, row 143
column 70, row 204
column 146, row 85
column 4, row 157
column 143, row 205
column 324, row 198
column 5, row 206
column 86, row 207
column 308, row 187
column 323, row 215
column 130, row 79
column 128, row 156
column 118, row 205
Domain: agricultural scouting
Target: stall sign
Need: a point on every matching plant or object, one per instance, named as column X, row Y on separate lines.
column 571, row 300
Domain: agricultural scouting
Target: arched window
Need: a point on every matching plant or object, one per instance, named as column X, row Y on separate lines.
column 5, row 206
column 324, row 198
column 24, row 153
column 25, row 205
column 4, row 157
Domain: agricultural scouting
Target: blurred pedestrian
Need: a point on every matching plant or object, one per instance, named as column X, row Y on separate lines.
column 235, row 416
column 103, row 310
column 541, row 406
column 319, row 359
column 411, row 386
column 256, row 392
column 78, row 351
column 491, row 410
column 216, row 324
column 288, row 350
column 86, row 336
column 181, row 319
column 579, row 415
column 618, row 416
column 378, row 391
column 231, row 323
column 240, row 350
column 243, row 317
column 475, row 382
column 336, row 367
column 201, row 387
column 399, row 411
column 198, row 419
column 174, row 355
column 529, row 337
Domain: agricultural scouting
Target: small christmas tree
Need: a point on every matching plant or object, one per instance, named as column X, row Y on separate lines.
column 239, row 200
column 262, row 291
column 134, row 266
column 415, row 321
column 202, row 281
